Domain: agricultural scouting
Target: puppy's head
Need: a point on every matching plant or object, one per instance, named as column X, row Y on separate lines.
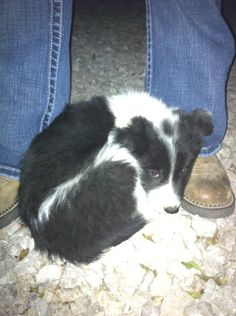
column 166, row 152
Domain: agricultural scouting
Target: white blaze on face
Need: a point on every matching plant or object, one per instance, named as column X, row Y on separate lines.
column 164, row 197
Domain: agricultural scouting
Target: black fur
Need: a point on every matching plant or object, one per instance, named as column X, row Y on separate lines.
column 192, row 127
column 100, row 210
column 61, row 150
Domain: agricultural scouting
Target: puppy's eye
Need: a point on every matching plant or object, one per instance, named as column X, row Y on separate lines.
column 154, row 173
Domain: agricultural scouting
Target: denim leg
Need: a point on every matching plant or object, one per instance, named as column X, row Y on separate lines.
column 189, row 53
column 34, row 73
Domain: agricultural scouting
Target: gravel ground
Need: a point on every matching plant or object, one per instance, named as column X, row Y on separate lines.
column 179, row 265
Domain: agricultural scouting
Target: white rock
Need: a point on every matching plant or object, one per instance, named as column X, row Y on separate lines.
column 147, row 252
column 175, row 301
column 25, row 267
column 174, row 249
column 200, row 309
column 197, row 250
column 210, row 289
column 178, row 249
column 8, row 278
column 94, row 279
column 147, row 280
column 150, row 309
column 221, row 299
column 125, row 277
column 188, row 235
column 72, row 277
column 3, row 249
column 41, row 306
column 94, row 273
column 48, row 273
column 203, row 227
column 165, row 225
column 229, row 240
column 227, row 294
column 161, row 285
column 179, row 271
column 215, row 259
column 13, row 227
column 225, row 152
column 189, row 282
column 20, row 241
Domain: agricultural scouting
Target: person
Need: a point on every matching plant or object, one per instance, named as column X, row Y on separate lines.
column 189, row 53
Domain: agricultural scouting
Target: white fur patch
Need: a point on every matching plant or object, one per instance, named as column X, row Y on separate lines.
column 57, row 196
column 114, row 152
column 126, row 106
column 161, row 198
column 141, row 198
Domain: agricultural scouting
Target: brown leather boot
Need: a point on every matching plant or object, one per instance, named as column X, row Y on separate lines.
column 8, row 200
column 208, row 192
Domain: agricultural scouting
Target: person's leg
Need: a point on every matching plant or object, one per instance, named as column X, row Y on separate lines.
column 190, row 51
column 35, row 78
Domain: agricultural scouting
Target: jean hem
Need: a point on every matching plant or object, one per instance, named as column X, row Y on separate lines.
column 209, row 151
column 9, row 172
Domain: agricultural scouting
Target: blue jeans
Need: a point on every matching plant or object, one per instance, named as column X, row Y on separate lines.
column 34, row 73
column 189, row 52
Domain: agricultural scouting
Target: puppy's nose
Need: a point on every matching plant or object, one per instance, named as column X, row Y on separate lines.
column 172, row 209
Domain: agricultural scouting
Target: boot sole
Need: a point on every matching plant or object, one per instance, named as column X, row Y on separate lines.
column 209, row 212
column 9, row 216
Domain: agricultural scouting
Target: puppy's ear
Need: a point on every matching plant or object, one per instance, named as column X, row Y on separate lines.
column 201, row 121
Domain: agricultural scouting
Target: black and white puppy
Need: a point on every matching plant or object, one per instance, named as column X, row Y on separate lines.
column 102, row 170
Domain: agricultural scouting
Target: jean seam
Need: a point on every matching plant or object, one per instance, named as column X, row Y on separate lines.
column 54, row 55
column 149, row 46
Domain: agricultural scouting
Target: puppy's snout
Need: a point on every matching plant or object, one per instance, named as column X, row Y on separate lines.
column 172, row 209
